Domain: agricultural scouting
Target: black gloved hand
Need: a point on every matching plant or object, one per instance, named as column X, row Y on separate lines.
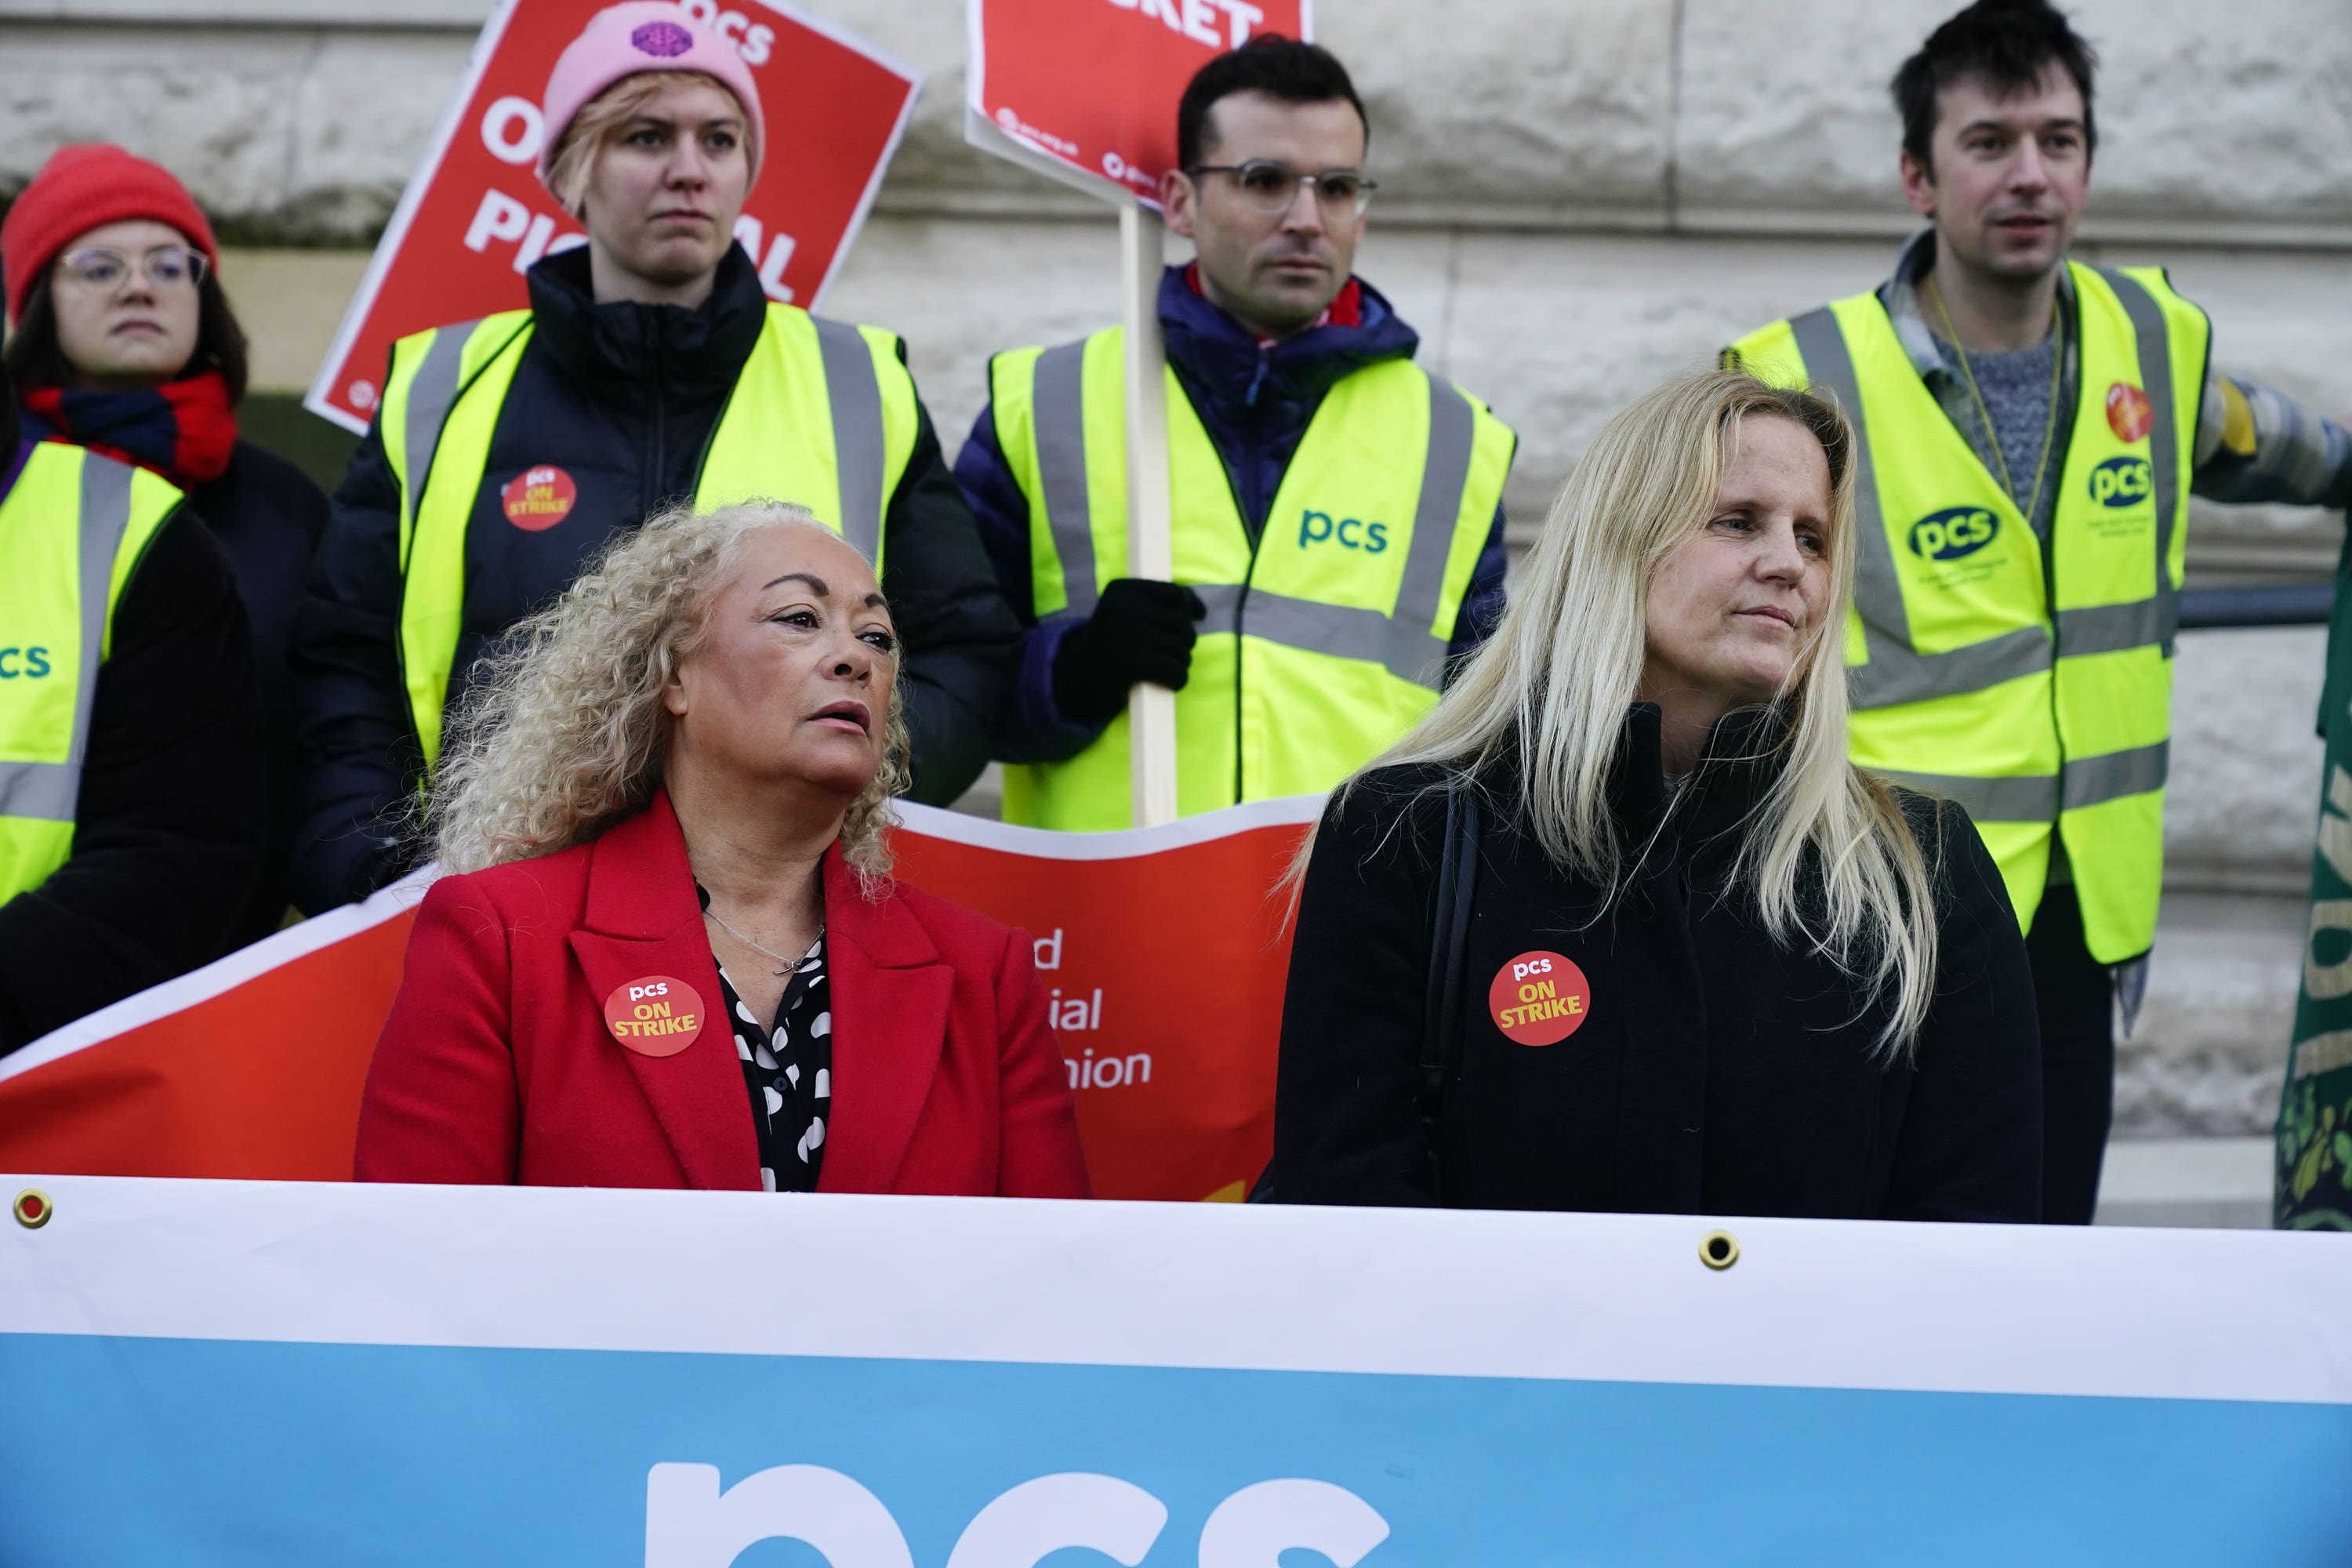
column 1141, row 631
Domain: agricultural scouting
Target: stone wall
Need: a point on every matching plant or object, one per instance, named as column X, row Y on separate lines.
column 302, row 117
column 1577, row 199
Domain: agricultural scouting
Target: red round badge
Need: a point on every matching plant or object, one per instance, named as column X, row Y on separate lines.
column 2130, row 414
column 1539, row 998
column 655, row 1017
column 538, row 498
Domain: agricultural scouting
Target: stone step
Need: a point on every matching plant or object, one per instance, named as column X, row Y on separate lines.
column 2209, row 1048
column 2209, row 1183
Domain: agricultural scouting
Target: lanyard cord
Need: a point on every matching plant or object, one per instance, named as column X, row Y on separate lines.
column 2031, row 503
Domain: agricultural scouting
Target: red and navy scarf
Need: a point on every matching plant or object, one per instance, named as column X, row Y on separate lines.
column 184, row 430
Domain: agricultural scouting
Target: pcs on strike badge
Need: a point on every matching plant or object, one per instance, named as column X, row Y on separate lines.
column 1539, row 998
column 655, row 1016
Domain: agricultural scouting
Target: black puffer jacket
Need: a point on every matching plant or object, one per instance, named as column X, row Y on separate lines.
column 169, row 824
column 1717, row 1071
column 266, row 516
column 622, row 398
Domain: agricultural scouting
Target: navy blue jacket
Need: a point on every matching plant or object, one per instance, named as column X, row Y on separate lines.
column 1255, row 403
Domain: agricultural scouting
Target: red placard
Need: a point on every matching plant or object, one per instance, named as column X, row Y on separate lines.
column 1085, row 90
column 1161, row 953
column 475, row 217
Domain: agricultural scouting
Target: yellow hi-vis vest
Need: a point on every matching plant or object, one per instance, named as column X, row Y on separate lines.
column 1323, row 645
column 71, row 531
column 824, row 415
column 2029, row 680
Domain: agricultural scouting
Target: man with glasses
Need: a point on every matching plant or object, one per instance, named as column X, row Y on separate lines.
column 1337, row 512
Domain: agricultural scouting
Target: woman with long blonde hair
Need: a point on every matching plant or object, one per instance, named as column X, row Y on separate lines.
column 669, row 952
column 1619, row 926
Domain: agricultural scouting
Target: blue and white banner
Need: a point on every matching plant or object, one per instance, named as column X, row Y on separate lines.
column 262, row 1373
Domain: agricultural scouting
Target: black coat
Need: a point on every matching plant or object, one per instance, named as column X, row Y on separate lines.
column 1717, row 1071
column 266, row 516
column 624, row 397
column 169, row 824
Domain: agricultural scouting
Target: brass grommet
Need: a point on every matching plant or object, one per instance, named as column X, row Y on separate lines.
column 1719, row 1249
column 33, row 1208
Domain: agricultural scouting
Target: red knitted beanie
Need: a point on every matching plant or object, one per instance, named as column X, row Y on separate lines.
column 82, row 188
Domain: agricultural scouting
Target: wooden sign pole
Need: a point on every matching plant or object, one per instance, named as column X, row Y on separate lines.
column 1150, row 547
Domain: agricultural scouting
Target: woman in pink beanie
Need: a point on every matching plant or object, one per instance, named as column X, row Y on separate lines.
column 653, row 140
column 650, row 366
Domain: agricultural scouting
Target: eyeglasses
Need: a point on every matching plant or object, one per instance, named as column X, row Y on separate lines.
column 169, row 267
column 1271, row 187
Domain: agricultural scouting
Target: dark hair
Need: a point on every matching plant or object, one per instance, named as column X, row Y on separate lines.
column 2007, row 43
column 34, row 360
column 1269, row 63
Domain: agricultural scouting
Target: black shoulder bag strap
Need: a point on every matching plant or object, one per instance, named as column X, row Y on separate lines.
column 1449, row 942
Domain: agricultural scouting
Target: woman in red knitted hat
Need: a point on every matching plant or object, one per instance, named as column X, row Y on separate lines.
column 130, row 760
column 125, row 344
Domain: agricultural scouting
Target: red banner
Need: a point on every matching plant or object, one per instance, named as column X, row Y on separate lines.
column 475, row 217
column 1085, row 90
column 1163, row 951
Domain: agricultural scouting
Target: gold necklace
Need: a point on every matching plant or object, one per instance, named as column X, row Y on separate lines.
column 2031, row 503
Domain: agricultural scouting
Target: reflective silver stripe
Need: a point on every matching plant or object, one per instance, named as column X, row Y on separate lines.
column 51, row 792
column 1897, row 673
column 2155, row 345
column 858, row 456
column 2034, row 799
column 105, row 518
column 1341, row 631
column 1225, row 604
column 2110, row 628
column 1413, row 652
column 1058, row 414
column 45, row 792
column 2092, row 781
column 431, row 395
column 2088, row 780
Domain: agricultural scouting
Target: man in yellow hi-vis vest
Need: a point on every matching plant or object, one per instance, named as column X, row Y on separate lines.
column 131, row 813
column 2033, row 428
column 649, row 368
column 1337, row 510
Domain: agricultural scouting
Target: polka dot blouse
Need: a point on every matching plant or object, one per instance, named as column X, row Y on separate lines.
column 788, row 1066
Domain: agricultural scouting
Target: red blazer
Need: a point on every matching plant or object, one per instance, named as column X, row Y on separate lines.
column 496, row 1067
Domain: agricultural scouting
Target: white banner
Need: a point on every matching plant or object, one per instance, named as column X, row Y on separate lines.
column 226, row 1372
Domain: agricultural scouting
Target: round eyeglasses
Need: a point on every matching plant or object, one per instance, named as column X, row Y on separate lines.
column 1271, row 187
column 169, row 268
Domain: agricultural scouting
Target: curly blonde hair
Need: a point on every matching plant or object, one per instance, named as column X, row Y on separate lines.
column 562, row 733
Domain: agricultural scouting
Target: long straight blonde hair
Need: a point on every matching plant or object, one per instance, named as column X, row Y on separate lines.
column 1831, row 862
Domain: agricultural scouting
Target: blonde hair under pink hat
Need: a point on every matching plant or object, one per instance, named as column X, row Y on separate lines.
column 640, row 36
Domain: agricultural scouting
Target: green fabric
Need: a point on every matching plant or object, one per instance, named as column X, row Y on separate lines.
column 2314, row 1123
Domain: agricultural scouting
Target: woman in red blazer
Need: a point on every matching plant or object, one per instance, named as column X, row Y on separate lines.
column 672, row 955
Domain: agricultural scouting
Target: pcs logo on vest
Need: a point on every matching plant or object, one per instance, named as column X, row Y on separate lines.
column 1953, row 532
column 1353, row 533
column 24, row 663
column 2123, row 482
